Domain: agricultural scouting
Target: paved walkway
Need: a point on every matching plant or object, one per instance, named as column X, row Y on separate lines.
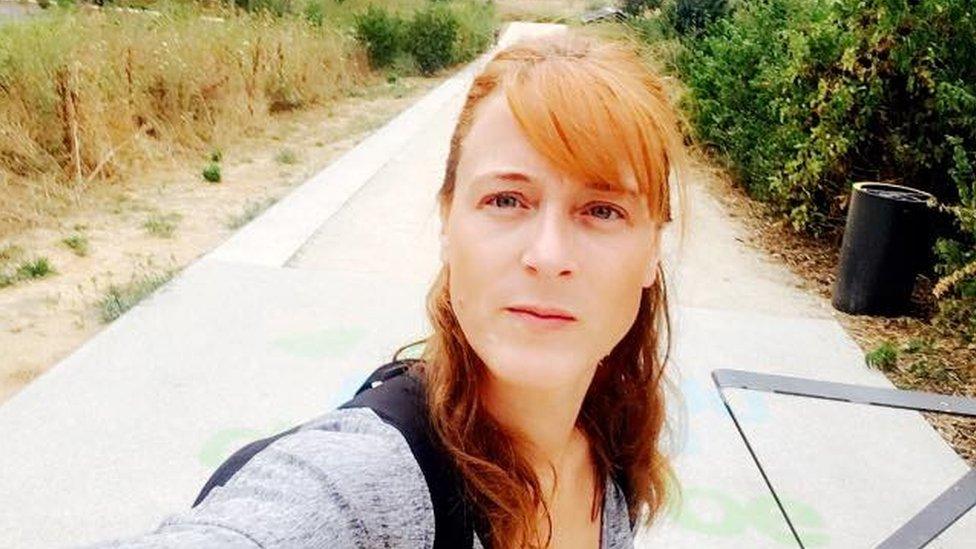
column 283, row 320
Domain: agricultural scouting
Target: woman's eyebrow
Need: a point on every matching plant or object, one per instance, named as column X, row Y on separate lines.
column 519, row 177
column 613, row 189
column 514, row 177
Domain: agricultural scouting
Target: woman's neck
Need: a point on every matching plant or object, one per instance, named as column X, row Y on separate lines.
column 545, row 418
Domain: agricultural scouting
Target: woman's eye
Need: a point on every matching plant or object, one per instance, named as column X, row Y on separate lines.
column 503, row 199
column 607, row 209
column 600, row 211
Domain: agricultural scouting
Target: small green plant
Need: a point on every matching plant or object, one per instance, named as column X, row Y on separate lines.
column 119, row 299
column 216, row 155
column 917, row 345
column 162, row 226
column 380, row 31
column 314, row 13
column 36, row 268
column 212, row 172
column 251, row 210
column 286, row 156
column 884, row 357
column 78, row 243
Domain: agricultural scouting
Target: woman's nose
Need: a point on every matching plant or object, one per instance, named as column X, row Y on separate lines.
column 550, row 249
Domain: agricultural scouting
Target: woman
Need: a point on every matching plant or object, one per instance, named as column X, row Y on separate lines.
column 542, row 379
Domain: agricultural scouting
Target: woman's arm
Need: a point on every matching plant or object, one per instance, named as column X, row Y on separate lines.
column 346, row 480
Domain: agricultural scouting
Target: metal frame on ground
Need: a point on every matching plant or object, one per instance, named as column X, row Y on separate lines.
column 928, row 523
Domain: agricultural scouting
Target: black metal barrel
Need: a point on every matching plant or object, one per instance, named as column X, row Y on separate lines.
column 887, row 241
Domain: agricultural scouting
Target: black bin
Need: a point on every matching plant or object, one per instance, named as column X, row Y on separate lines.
column 887, row 241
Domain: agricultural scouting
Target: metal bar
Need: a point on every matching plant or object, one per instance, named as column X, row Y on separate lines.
column 934, row 518
column 858, row 394
column 937, row 516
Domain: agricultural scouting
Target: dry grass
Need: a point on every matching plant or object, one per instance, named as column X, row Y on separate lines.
column 89, row 96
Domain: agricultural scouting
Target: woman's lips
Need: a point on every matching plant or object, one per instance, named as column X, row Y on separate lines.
column 535, row 320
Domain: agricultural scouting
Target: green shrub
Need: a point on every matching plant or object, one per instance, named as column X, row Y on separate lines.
column 380, row 32
column 691, row 17
column 162, row 226
column 637, row 7
column 431, row 36
column 119, row 299
column 212, row 172
column 805, row 97
column 802, row 98
column 35, row 268
column 736, row 75
column 314, row 13
column 883, row 357
column 78, row 243
column 476, row 29
column 286, row 156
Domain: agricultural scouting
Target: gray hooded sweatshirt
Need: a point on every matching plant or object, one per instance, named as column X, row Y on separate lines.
column 344, row 479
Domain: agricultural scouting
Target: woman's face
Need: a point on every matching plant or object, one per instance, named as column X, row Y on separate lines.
column 521, row 234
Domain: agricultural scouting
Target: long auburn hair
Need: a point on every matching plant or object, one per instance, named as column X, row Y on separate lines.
column 586, row 104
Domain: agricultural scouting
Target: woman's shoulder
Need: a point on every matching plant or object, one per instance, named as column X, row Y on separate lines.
column 343, row 479
column 354, row 456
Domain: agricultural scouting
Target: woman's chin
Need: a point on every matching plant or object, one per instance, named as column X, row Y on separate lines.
column 545, row 372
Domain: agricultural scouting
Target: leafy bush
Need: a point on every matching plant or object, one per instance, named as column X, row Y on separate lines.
column 690, row 17
column 804, row 98
column 36, row 268
column 430, row 37
column 380, row 31
column 476, row 29
column 736, row 80
column 314, row 13
column 212, row 172
column 637, row 7
column 78, row 244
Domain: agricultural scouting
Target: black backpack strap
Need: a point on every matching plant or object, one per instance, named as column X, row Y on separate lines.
column 235, row 462
column 397, row 396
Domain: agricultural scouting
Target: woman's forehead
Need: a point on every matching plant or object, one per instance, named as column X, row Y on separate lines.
column 497, row 150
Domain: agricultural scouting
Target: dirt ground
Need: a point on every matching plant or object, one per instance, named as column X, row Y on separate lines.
column 927, row 360
column 160, row 221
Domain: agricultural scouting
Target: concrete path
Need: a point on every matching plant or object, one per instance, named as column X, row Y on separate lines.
column 283, row 320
